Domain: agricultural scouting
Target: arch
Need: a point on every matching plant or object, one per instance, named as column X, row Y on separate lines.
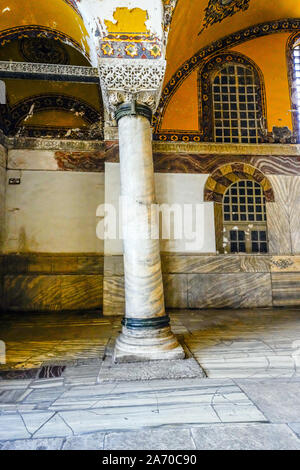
column 222, row 178
column 205, row 93
column 40, row 32
column 50, row 101
column 294, row 89
column 230, row 41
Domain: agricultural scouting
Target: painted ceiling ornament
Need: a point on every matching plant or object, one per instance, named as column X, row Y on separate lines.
column 218, row 10
column 43, row 51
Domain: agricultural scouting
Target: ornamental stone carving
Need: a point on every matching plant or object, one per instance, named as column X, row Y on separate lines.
column 124, row 80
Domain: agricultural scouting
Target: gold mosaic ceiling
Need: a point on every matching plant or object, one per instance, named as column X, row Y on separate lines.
column 54, row 32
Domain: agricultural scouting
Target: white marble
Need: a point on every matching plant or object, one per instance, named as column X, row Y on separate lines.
column 21, row 159
column 144, row 296
column 53, row 212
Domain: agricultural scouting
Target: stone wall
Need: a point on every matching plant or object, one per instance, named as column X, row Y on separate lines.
column 52, row 260
column 215, row 281
column 52, row 282
column 3, row 157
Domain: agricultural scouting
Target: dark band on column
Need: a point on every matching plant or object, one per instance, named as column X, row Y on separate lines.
column 155, row 322
column 133, row 109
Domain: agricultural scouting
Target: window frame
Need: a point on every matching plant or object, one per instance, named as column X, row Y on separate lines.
column 205, row 91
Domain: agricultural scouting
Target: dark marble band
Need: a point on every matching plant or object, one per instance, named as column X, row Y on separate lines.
column 156, row 322
column 133, row 109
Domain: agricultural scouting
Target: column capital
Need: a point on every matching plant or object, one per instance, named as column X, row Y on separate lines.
column 126, row 80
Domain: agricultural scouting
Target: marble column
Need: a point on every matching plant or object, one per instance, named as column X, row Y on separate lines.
column 146, row 334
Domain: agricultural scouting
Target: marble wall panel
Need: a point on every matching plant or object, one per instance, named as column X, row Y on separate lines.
column 113, row 266
column 113, row 295
column 285, row 264
column 278, row 217
column 32, row 293
column 294, row 212
column 175, row 290
column 200, row 264
column 286, row 289
column 42, row 293
column 2, row 195
column 81, row 292
column 243, row 290
column 59, row 263
column 255, row 264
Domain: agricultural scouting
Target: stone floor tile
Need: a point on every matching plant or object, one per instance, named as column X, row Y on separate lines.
column 278, row 400
column 54, row 427
column 245, row 437
column 33, row 444
column 93, row 441
column 35, row 419
column 12, row 427
column 161, row 439
column 295, row 427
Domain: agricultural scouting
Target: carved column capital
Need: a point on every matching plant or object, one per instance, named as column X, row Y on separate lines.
column 125, row 80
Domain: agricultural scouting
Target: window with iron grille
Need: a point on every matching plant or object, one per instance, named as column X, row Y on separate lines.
column 236, row 109
column 244, row 218
column 296, row 83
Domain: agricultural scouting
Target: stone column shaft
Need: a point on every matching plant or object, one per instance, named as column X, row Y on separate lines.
column 146, row 334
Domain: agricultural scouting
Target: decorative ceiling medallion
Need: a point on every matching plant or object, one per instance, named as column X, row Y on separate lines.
column 218, row 10
column 43, row 51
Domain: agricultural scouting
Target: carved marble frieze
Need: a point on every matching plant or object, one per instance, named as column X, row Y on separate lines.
column 122, row 81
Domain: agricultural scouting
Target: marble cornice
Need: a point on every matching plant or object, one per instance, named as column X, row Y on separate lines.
column 203, row 148
column 200, row 148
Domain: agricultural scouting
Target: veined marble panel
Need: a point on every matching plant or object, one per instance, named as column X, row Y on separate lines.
column 294, row 212
column 286, row 289
column 32, row 293
column 52, row 292
column 200, row 264
column 113, row 266
column 81, row 292
column 176, row 290
column 3, row 156
column 278, row 217
column 243, row 290
column 113, row 296
column 255, row 263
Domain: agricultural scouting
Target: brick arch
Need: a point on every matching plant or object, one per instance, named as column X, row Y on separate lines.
column 220, row 180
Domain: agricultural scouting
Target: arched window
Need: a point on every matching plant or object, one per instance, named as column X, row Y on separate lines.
column 244, row 218
column 232, row 100
column 294, row 78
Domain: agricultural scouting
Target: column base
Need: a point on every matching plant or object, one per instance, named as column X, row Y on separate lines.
column 144, row 345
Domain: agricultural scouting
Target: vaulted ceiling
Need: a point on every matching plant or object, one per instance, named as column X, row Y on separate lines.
column 54, row 31
column 197, row 23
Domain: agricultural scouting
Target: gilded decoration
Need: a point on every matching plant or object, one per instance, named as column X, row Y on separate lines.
column 218, row 10
column 227, row 42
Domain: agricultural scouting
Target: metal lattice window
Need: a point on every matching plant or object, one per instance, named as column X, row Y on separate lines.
column 296, row 98
column 244, row 202
column 235, row 105
column 244, row 217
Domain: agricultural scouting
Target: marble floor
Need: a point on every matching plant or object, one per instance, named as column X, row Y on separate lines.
column 56, row 392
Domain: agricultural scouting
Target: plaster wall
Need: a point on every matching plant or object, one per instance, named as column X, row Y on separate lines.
column 172, row 189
